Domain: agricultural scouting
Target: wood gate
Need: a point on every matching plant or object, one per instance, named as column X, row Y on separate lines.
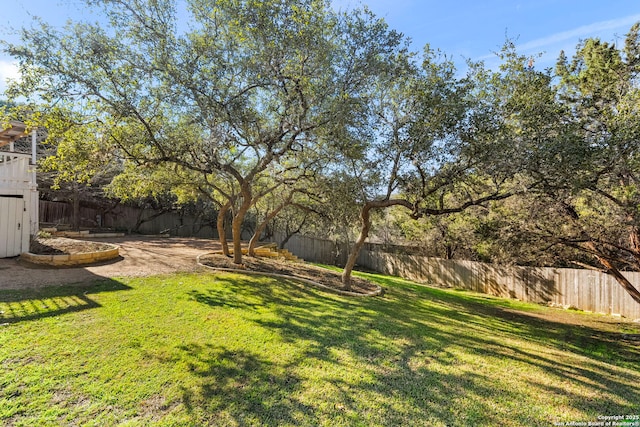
column 12, row 222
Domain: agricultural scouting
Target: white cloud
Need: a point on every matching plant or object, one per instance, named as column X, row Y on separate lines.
column 8, row 70
column 598, row 29
column 550, row 46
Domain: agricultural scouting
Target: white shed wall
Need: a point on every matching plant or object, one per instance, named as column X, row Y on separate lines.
column 18, row 196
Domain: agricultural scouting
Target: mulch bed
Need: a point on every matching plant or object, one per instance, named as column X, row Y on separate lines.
column 64, row 246
column 303, row 270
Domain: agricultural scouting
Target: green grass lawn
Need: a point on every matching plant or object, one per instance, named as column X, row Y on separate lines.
column 225, row 349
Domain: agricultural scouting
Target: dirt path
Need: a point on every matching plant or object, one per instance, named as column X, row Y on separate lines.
column 139, row 256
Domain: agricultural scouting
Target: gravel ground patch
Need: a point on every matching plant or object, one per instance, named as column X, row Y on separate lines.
column 139, row 256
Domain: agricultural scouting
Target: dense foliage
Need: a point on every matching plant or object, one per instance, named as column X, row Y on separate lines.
column 309, row 119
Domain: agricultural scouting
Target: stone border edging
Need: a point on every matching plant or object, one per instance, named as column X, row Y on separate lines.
column 81, row 235
column 70, row 260
column 377, row 292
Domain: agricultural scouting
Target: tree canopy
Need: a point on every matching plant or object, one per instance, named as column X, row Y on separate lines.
column 284, row 107
column 245, row 88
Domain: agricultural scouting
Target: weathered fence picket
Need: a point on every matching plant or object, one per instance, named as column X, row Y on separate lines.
column 125, row 217
column 579, row 288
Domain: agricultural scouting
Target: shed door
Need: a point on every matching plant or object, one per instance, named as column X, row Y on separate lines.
column 11, row 209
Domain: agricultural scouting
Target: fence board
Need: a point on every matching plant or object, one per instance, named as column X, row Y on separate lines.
column 583, row 289
column 124, row 218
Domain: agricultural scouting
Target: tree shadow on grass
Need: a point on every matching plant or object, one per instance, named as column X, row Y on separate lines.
column 240, row 386
column 32, row 304
column 585, row 340
column 396, row 359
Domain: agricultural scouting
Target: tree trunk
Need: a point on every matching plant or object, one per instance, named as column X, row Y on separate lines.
column 75, row 219
column 140, row 220
column 634, row 239
column 290, row 233
column 236, row 225
column 623, row 281
column 236, row 229
column 255, row 238
column 287, row 237
column 222, row 233
column 353, row 255
column 365, row 219
column 448, row 254
column 260, row 228
column 612, row 270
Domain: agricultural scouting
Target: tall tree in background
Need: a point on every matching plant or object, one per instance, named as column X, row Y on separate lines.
column 600, row 89
column 578, row 145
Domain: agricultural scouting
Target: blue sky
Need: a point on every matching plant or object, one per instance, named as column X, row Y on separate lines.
column 462, row 29
column 476, row 29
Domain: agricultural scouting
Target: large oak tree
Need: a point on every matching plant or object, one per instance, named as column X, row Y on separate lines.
column 224, row 92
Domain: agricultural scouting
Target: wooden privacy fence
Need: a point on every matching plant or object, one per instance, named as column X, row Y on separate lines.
column 125, row 217
column 324, row 251
column 582, row 289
